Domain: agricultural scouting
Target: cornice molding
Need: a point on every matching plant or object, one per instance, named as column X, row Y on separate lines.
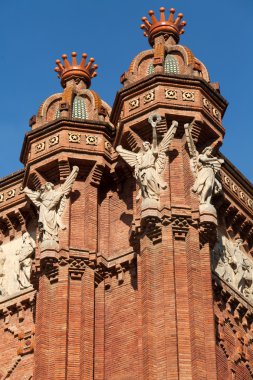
column 158, row 78
column 60, row 124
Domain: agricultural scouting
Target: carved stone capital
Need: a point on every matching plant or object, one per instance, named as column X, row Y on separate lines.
column 50, row 267
column 96, row 174
column 108, row 271
column 120, row 273
column 207, row 233
column 151, row 226
column 180, row 226
column 77, row 267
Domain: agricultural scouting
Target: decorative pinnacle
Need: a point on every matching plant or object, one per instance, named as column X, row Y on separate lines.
column 172, row 26
column 67, row 71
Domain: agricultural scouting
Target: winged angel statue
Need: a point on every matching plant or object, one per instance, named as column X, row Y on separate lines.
column 51, row 204
column 206, row 168
column 150, row 162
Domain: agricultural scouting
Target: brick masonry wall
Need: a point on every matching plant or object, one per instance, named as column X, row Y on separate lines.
column 121, row 330
column 17, row 337
column 127, row 297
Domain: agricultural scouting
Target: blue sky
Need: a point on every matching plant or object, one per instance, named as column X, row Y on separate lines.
column 35, row 33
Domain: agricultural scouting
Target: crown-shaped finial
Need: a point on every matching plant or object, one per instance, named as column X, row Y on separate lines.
column 172, row 26
column 82, row 71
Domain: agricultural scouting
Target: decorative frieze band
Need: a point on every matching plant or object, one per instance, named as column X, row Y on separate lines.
column 211, row 109
column 73, row 137
column 9, row 194
column 237, row 191
column 185, row 95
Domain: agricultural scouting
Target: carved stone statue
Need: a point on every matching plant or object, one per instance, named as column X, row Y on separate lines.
column 150, row 162
column 51, row 203
column 207, row 183
column 25, row 254
column 2, row 271
column 233, row 265
column 206, row 169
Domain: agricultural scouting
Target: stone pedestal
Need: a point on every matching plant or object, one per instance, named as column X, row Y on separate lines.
column 208, row 214
column 48, row 245
column 150, row 208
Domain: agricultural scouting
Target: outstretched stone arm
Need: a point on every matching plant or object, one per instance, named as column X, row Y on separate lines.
column 154, row 138
column 154, row 120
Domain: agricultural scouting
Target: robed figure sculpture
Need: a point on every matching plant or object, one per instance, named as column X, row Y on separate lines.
column 51, row 203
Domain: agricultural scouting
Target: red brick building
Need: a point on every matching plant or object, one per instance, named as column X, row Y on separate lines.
column 121, row 260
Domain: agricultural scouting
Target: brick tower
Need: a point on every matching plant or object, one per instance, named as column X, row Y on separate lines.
column 126, row 241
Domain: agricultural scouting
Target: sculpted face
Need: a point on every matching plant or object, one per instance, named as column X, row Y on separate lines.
column 48, row 186
column 239, row 242
column 146, row 146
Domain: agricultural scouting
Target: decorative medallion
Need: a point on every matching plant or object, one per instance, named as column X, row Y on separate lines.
column 149, row 96
column 250, row 203
column 11, row 194
column 74, row 137
column 216, row 113
column 227, row 180
column 188, row 96
column 242, row 196
column 134, row 103
column 207, row 104
column 170, row 94
column 108, row 146
column 40, row 147
column 91, row 140
column 234, row 188
column 1, row 198
column 53, row 140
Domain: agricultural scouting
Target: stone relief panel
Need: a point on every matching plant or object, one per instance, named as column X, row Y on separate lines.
column 15, row 265
column 231, row 263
